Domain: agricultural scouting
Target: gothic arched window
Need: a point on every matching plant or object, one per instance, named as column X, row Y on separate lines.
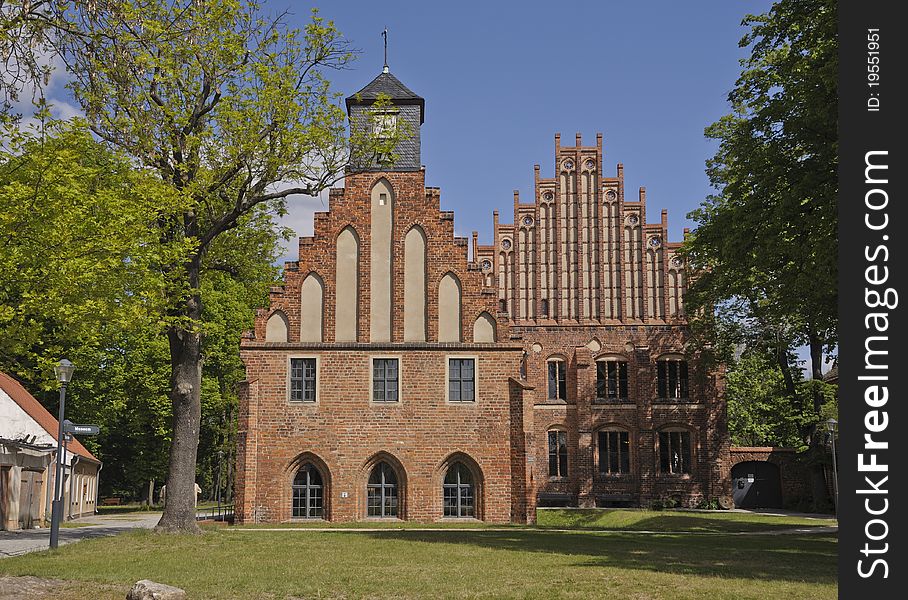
column 308, row 493
column 382, row 492
column 459, row 492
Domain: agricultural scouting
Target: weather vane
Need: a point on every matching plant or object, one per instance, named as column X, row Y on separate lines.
column 384, row 34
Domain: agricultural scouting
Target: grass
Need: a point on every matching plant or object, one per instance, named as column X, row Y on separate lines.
column 672, row 521
column 234, row 563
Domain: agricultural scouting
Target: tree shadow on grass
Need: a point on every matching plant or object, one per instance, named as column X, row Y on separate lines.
column 797, row 558
column 672, row 522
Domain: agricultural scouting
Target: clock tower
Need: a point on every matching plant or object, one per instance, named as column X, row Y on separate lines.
column 405, row 111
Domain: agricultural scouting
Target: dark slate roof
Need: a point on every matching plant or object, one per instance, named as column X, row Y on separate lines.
column 387, row 84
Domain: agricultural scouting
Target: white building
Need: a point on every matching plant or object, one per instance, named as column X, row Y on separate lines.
column 28, row 448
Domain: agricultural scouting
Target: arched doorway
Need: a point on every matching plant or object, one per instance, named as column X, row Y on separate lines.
column 756, row 484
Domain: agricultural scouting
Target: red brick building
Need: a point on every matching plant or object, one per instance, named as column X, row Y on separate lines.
column 396, row 374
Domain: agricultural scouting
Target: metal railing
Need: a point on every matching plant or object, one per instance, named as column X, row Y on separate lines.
column 224, row 512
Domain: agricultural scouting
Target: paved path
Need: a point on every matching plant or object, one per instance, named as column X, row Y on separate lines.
column 31, row 540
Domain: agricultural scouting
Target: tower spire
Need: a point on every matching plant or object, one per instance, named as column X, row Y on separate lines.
column 384, row 34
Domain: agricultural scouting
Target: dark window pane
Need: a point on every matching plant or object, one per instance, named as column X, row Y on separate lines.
column 307, row 493
column 683, row 381
column 662, row 383
column 553, row 454
column 622, row 380
column 384, row 380
column 603, row 451
column 601, row 379
column 562, row 454
column 302, row 379
column 685, row 452
column 625, row 448
column 613, row 452
column 461, row 380
column 663, row 452
column 562, row 381
column 553, row 380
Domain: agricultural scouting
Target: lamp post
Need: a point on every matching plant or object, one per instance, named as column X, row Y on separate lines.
column 831, row 427
column 64, row 372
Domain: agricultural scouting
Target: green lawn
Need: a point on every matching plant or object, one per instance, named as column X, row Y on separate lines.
column 516, row 562
column 671, row 521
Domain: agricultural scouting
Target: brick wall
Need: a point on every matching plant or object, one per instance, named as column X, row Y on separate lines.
column 617, row 307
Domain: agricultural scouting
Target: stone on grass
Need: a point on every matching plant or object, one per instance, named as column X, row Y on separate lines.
column 151, row 590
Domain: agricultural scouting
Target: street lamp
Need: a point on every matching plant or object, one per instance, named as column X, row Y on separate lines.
column 64, row 372
column 831, row 427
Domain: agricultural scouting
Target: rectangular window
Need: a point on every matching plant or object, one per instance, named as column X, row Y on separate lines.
column 611, row 380
column 385, row 380
column 672, row 381
column 674, row 452
column 384, row 124
column 558, row 460
column 302, row 380
column 614, row 452
column 557, row 380
column 461, row 380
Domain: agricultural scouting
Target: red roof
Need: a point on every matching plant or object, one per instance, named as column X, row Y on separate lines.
column 40, row 414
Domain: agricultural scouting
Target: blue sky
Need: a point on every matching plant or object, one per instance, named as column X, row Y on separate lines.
column 501, row 78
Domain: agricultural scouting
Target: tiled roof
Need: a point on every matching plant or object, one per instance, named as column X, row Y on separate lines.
column 389, row 85
column 40, row 414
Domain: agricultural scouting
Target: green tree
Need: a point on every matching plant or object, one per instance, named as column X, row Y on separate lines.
column 765, row 248
column 80, row 277
column 760, row 412
column 232, row 113
column 78, row 260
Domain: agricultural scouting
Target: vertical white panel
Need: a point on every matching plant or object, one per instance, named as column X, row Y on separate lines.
column 449, row 309
column 346, row 314
column 415, row 286
column 276, row 329
column 484, row 329
column 380, row 283
column 312, row 308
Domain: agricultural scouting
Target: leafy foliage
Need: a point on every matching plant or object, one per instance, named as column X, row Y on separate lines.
column 765, row 248
column 79, row 261
column 81, row 278
column 760, row 412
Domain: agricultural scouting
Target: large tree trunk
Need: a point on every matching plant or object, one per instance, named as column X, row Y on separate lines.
column 185, row 386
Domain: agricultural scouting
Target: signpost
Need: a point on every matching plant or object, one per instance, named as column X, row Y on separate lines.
column 69, row 429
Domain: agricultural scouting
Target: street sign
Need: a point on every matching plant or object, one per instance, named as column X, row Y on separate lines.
column 76, row 429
